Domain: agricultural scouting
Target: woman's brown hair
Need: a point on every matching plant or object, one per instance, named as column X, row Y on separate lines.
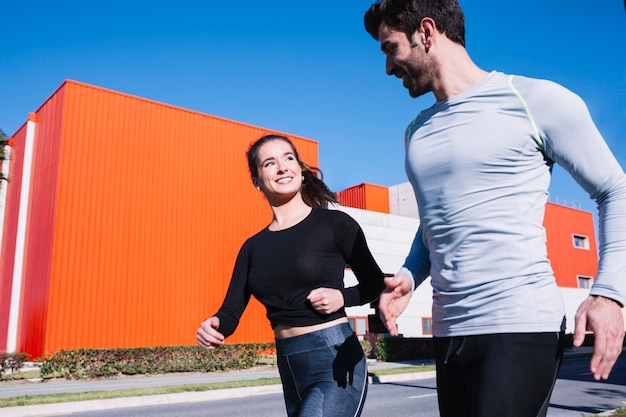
column 315, row 192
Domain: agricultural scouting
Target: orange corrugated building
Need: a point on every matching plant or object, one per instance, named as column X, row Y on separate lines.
column 134, row 215
column 571, row 245
column 366, row 196
column 124, row 216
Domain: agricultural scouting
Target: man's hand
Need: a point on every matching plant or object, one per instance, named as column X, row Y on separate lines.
column 326, row 300
column 393, row 300
column 604, row 318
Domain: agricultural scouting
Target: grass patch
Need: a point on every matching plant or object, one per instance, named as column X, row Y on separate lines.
column 403, row 370
column 20, row 375
column 266, row 361
column 133, row 392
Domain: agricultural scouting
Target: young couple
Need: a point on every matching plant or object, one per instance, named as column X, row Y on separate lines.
column 479, row 161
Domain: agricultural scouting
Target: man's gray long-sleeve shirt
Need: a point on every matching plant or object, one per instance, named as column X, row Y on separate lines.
column 479, row 163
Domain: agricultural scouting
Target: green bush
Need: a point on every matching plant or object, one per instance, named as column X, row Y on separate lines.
column 11, row 362
column 381, row 349
column 4, row 155
column 103, row 363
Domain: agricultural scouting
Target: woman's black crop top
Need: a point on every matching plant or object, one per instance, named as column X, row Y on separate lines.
column 281, row 268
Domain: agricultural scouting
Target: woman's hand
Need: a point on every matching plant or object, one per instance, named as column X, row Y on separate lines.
column 326, row 300
column 207, row 335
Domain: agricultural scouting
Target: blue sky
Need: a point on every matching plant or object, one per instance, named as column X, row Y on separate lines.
column 303, row 67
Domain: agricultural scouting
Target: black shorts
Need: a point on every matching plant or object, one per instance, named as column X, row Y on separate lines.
column 503, row 375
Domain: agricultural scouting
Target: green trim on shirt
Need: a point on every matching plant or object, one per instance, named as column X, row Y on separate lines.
column 519, row 95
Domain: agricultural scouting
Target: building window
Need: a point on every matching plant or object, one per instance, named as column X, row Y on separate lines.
column 581, row 242
column 584, row 282
column 359, row 325
column 427, row 325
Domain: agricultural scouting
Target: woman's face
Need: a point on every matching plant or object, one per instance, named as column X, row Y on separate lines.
column 279, row 172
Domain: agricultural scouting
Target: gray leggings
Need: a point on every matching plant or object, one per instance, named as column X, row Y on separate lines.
column 323, row 373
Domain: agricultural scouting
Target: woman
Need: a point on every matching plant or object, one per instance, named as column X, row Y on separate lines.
column 295, row 267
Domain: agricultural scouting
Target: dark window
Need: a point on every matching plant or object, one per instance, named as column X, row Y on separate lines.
column 584, row 282
column 581, row 242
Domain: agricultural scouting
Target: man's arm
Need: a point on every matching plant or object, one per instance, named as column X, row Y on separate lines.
column 573, row 141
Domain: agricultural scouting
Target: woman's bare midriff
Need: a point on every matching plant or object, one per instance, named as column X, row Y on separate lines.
column 285, row 332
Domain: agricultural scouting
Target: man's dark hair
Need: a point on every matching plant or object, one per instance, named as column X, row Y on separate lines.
column 406, row 16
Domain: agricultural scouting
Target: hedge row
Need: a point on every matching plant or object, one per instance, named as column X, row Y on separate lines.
column 106, row 363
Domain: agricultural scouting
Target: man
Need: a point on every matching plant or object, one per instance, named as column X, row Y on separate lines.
column 480, row 161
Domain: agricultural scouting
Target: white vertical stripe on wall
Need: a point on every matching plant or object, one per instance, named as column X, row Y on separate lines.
column 20, row 242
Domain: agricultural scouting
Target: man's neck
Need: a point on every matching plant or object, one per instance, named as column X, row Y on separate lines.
column 456, row 73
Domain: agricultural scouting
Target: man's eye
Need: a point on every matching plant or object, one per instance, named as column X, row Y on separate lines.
column 391, row 49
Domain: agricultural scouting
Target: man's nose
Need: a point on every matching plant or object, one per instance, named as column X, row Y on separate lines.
column 390, row 67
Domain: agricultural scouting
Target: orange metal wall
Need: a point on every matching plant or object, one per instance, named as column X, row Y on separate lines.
column 10, row 230
column 367, row 197
column 151, row 204
column 568, row 262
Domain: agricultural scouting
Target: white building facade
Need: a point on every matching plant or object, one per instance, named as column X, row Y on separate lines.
column 389, row 237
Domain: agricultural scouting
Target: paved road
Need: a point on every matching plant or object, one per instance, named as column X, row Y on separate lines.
column 576, row 393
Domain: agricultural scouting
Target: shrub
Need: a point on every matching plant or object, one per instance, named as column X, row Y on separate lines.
column 12, row 362
column 102, row 363
column 381, row 349
column 4, row 155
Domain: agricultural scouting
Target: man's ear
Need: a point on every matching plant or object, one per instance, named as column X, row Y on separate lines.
column 427, row 31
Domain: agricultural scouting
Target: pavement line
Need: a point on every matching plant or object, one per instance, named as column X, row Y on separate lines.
column 423, row 396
